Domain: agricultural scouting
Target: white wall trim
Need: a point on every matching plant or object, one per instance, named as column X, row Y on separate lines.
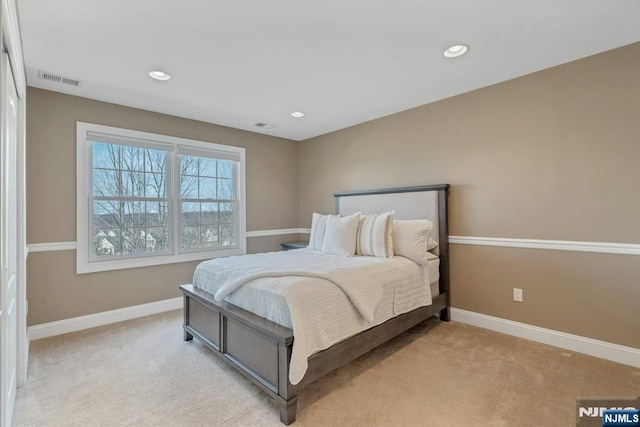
column 278, row 232
column 51, row 246
column 601, row 349
column 104, row 318
column 556, row 245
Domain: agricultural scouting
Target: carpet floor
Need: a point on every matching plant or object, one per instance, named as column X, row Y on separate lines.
column 141, row 373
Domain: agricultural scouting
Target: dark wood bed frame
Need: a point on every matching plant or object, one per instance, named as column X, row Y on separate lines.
column 261, row 349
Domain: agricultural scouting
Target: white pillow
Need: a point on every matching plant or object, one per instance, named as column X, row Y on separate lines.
column 410, row 239
column 340, row 235
column 318, row 227
column 374, row 235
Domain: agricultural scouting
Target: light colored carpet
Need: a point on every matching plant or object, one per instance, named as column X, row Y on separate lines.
column 142, row 373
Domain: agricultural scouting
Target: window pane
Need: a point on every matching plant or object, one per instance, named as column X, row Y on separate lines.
column 207, row 167
column 106, row 214
column 207, row 188
column 106, row 155
column 156, row 239
column 227, row 212
column 190, row 213
column 155, row 185
column 157, row 213
column 105, row 183
column 132, row 158
column 225, row 189
column 132, row 184
column 133, row 213
column 227, row 224
column 188, row 165
column 133, row 240
column 209, row 237
column 188, row 187
column 209, row 213
column 225, row 169
column 190, row 237
column 226, row 235
column 106, row 242
column 188, row 177
column 155, row 160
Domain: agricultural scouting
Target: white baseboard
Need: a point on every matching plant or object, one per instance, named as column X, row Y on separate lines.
column 601, row 349
column 99, row 319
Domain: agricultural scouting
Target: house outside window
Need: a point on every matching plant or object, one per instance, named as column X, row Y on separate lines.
column 147, row 199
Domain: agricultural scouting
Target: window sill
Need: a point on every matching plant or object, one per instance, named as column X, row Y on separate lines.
column 83, row 267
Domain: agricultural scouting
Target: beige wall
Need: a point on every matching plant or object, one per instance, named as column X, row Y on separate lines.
column 552, row 155
column 54, row 290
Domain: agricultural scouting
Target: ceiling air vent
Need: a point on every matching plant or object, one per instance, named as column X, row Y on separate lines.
column 58, row 79
column 263, row 125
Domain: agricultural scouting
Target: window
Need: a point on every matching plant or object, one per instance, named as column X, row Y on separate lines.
column 146, row 199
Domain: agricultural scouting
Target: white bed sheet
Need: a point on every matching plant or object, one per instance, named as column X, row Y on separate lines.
column 266, row 299
column 331, row 315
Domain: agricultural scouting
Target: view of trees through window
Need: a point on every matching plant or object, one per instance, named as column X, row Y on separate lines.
column 206, row 202
column 132, row 208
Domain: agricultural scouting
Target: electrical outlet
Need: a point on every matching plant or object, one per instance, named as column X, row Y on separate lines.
column 517, row 294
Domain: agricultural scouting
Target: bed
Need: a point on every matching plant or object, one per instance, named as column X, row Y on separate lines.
column 262, row 349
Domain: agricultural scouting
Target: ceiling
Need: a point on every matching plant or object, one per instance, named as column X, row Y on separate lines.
column 342, row 62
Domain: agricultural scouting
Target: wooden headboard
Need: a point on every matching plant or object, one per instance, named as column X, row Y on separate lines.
column 420, row 202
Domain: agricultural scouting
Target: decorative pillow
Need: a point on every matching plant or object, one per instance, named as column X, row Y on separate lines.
column 318, row 227
column 410, row 239
column 431, row 245
column 340, row 235
column 374, row 235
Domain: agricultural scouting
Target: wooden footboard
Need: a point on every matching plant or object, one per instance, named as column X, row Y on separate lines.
column 256, row 347
column 261, row 349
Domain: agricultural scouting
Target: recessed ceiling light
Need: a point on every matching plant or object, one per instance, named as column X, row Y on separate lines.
column 297, row 114
column 456, row 50
column 159, row 75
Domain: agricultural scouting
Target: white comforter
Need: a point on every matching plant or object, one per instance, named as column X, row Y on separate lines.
column 329, row 297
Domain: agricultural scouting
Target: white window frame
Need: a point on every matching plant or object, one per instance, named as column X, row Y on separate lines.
column 84, row 168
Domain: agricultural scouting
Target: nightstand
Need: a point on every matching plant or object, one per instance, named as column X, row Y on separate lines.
column 293, row 245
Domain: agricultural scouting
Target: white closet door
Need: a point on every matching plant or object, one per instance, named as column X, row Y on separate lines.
column 8, row 241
